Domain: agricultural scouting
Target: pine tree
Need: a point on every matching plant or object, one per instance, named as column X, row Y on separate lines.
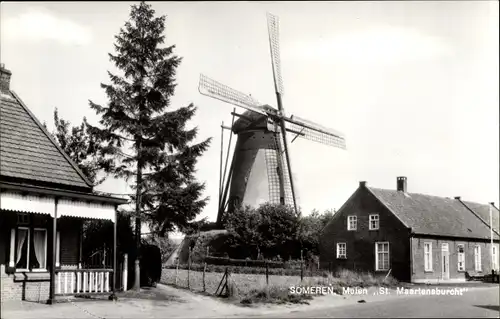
column 150, row 145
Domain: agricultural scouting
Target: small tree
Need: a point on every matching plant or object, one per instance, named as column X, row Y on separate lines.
column 243, row 225
column 278, row 229
column 83, row 147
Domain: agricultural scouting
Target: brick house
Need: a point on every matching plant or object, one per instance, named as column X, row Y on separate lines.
column 419, row 238
column 44, row 199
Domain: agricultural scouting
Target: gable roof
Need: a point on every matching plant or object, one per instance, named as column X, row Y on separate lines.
column 483, row 212
column 28, row 151
column 433, row 215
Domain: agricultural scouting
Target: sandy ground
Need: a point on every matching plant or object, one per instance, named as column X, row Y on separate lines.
column 178, row 303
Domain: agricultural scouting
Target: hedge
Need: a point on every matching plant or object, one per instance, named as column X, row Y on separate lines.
column 291, row 264
column 307, row 272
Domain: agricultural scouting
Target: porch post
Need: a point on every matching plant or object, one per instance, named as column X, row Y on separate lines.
column 52, row 297
column 113, row 295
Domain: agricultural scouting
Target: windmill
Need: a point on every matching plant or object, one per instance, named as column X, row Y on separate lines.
column 260, row 170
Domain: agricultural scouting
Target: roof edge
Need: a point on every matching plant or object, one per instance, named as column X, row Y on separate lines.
column 387, row 207
column 424, row 234
column 62, row 193
column 479, row 217
column 63, row 153
column 339, row 211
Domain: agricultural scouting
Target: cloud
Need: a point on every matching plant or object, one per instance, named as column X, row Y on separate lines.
column 38, row 24
column 379, row 46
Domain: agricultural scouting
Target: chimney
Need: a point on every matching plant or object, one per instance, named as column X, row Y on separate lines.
column 401, row 184
column 4, row 79
column 362, row 184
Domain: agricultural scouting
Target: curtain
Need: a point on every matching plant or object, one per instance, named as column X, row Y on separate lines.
column 21, row 237
column 39, row 239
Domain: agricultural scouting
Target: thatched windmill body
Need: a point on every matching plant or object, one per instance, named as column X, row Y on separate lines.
column 260, row 170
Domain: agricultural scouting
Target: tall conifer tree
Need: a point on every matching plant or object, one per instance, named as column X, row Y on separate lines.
column 151, row 146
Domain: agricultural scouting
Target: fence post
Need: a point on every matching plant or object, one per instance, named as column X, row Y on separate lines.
column 176, row 269
column 125, row 272
column 267, row 273
column 204, row 270
column 301, row 266
column 189, row 266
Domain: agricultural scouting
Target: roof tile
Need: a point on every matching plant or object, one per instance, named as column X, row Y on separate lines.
column 27, row 152
column 432, row 215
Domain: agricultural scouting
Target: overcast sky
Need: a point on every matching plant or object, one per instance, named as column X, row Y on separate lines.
column 412, row 85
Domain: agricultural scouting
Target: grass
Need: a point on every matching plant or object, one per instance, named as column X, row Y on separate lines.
column 252, row 288
column 274, row 294
column 147, row 293
column 348, row 278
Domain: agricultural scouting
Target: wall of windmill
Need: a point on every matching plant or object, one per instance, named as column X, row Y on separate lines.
column 256, row 177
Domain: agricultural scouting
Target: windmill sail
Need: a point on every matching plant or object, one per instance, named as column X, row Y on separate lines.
column 315, row 132
column 278, row 182
column 274, row 43
column 224, row 93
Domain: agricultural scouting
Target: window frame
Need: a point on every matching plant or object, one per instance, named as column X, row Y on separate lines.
column 428, row 265
column 28, row 240
column 25, row 222
column 477, row 259
column 343, row 256
column 388, row 252
column 461, row 269
column 45, row 249
column 355, row 219
column 377, row 220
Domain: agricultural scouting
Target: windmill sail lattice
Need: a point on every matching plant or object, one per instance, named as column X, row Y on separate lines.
column 273, row 156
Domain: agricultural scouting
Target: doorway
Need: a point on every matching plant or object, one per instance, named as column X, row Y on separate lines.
column 445, row 262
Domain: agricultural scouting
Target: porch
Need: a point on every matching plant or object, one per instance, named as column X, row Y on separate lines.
column 41, row 245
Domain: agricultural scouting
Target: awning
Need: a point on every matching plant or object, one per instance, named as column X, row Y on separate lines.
column 82, row 209
column 27, row 203
column 32, row 203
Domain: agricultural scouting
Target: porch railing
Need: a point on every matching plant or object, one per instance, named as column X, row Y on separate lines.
column 83, row 281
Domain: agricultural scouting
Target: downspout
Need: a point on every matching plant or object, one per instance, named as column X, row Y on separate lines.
column 411, row 254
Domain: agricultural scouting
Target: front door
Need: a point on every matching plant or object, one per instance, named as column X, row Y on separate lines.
column 445, row 262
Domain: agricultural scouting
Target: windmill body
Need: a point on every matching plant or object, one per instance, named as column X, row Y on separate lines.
column 260, row 170
column 256, row 177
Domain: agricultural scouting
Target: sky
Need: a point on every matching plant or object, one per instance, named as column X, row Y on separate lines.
column 412, row 85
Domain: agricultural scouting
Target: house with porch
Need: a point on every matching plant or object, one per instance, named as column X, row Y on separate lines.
column 44, row 200
column 414, row 237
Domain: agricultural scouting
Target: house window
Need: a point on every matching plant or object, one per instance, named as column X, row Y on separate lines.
column 374, row 222
column 352, row 223
column 477, row 258
column 30, row 249
column 341, row 250
column 382, row 256
column 428, row 256
column 461, row 258
column 494, row 256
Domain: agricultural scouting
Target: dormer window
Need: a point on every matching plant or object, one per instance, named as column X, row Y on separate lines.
column 352, row 222
column 374, row 222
